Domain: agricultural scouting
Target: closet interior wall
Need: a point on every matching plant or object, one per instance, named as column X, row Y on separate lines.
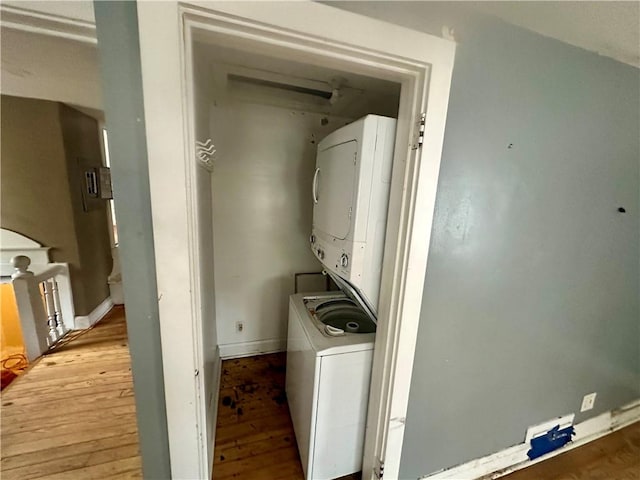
column 265, row 139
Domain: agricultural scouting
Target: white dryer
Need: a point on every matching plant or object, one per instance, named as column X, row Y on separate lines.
column 350, row 200
column 327, row 382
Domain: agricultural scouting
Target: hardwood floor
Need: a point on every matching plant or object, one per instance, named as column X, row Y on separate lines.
column 613, row 457
column 254, row 436
column 72, row 414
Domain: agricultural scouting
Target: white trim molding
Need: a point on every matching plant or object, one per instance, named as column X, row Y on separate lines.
column 515, row 458
column 97, row 314
column 46, row 23
column 247, row 349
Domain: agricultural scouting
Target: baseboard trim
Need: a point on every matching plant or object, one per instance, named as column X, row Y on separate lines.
column 247, row 349
column 515, row 458
column 97, row 314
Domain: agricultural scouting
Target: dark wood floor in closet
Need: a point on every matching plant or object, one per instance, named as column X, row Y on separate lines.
column 254, row 436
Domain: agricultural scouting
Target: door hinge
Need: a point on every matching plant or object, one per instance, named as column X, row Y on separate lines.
column 423, row 120
column 378, row 470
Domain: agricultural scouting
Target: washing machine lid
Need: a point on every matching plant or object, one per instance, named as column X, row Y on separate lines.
column 354, row 294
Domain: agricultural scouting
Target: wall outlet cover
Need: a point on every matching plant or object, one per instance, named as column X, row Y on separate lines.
column 588, row 402
column 542, row 428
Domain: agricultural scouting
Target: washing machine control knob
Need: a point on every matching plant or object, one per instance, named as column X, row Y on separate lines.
column 312, row 239
column 321, row 254
column 344, row 260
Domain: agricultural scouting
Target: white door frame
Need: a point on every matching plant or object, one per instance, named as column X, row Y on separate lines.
column 323, row 35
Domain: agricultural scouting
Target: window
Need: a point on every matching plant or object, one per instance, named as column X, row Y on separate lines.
column 111, row 207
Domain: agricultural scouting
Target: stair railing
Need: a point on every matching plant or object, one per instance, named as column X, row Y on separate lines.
column 45, row 304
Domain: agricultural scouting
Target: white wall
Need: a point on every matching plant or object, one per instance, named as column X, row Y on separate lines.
column 262, row 214
column 49, row 68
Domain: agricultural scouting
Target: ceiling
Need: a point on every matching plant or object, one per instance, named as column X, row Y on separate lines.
column 611, row 28
column 69, row 72
column 608, row 28
column 289, row 83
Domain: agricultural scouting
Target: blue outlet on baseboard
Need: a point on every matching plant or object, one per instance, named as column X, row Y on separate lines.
column 552, row 440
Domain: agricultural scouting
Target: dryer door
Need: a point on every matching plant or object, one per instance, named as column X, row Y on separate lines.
column 333, row 189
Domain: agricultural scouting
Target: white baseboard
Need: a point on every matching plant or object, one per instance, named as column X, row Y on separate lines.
column 515, row 458
column 247, row 349
column 98, row 313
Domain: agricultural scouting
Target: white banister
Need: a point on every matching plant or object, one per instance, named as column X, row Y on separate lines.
column 33, row 319
column 60, row 327
column 45, row 304
column 59, row 272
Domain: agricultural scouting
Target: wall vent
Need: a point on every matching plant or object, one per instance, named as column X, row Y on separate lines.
column 281, row 86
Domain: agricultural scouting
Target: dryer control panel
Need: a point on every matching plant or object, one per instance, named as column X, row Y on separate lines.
column 347, row 262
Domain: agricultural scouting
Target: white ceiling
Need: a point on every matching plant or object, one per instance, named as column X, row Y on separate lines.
column 608, row 28
column 65, row 70
column 611, row 28
column 356, row 95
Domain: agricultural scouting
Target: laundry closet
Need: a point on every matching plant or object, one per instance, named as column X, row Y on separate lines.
column 263, row 118
column 237, row 95
column 258, row 122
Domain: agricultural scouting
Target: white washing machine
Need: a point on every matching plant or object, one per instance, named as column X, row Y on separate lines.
column 327, row 384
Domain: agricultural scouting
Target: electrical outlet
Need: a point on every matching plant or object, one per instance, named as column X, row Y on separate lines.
column 239, row 327
column 588, row 402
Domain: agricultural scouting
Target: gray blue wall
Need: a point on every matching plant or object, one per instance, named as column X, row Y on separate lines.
column 532, row 289
column 118, row 40
column 531, row 295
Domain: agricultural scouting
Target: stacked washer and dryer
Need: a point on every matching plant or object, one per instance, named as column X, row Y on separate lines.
column 331, row 334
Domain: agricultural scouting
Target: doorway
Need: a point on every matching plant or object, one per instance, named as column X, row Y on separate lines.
column 312, row 34
column 259, row 121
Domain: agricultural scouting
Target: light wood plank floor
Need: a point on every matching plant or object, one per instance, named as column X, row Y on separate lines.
column 72, row 414
column 254, row 436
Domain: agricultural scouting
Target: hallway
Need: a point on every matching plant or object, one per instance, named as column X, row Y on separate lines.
column 72, row 414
